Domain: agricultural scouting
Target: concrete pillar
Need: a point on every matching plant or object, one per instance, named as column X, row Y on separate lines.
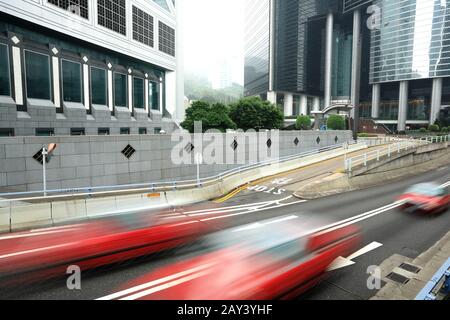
column 272, row 97
column 17, row 70
column 376, row 98
column 272, row 47
column 328, row 59
column 56, row 82
column 303, row 105
column 180, row 113
column 288, row 104
column 402, row 105
column 436, row 100
column 316, row 104
column 356, row 60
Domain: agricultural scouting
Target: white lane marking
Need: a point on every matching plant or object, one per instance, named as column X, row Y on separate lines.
column 342, row 262
column 445, row 184
column 442, row 169
column 155, row 282
column 258, row 224
column 254, row 211
column 166, row 285
column 35, row 234
column 34, row 250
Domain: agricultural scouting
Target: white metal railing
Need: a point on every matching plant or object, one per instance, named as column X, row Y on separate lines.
column 394, row 146
column 152, row 187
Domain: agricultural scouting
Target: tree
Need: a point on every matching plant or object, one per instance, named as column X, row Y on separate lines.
column 212, row 117
column 336, row 122
column 303, row 123
column 254, row 113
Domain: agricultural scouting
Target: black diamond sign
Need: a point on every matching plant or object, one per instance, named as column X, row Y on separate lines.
column 269, row 143
column 318, row 140
column 39, row 158
column 296, row 141
column 189, row 148
column 128, row 151
column 234, row 145
column 336, row 139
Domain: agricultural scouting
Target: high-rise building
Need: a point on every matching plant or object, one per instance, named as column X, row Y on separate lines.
column 87, row 67
column 390, row 59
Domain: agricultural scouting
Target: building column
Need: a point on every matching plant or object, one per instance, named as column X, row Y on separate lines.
column 110, row 90
column 288, row 104
column 436, row 100
column 328, row 59
column 356, row 60
column 402, row 106
column 376, row 98
column 56, row 81
column 17, row 71
column 272, row 97
column 303, row 105
column 316, row 104
column 87, row 98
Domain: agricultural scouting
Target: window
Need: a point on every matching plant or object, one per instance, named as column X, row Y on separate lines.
column 124, row 131
column 120, row 90
column 142, row 27
column 166, row 39
column 142, row 130
column 138, row 93
column 5, row 84
column 153, row 95
column 158, row 130
column 103, row 131
column 162, row 4
column 77, row 132
column 98, row 86
column 41, row 132
column 6, row 132
column 71, row 79
column 112, row 15
column 78, row 7
column 37, row 70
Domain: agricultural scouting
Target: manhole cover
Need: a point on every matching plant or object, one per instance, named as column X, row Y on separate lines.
column 397, row 278
column 410, row 268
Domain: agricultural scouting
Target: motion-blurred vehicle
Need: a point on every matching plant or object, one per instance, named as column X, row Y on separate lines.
column 428, row 198
column 44, row 253
column 276, row 259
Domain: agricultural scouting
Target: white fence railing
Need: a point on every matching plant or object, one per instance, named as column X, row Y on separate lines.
column 394, row 146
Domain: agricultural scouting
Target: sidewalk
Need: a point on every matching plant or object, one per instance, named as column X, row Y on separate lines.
column 428, row 263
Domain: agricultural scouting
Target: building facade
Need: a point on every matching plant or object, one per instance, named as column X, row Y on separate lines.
column 87, row 67
column 389, row 59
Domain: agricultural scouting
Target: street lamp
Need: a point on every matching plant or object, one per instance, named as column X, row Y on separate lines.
column 46, row 156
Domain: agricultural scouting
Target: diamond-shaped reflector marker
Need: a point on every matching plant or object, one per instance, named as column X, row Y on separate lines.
column 336, row 139
column 189, row 147
column 128, row 151
column 318, row 140
column 296, row 141
column 55, row 51
column 15, row 40
column 269, row 143
column 234, row 145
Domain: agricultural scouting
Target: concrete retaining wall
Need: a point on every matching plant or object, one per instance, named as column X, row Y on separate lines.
column 91, row 161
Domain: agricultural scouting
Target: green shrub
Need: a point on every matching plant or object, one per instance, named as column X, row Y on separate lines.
column 303, row 123
column 336, row 122
column 423, row 130
column 434, row 128
column 445, row 129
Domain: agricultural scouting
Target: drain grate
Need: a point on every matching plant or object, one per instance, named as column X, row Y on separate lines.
column 397, row 278
column 410, row 268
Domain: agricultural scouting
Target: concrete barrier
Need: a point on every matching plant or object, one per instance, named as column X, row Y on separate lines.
column 100, row 206
column 31, row 216
column 69, row 210
column 5, row 219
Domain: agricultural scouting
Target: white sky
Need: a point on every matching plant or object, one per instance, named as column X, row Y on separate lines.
column 214, row 31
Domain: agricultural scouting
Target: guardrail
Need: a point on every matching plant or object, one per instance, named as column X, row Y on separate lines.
column 152, row 187
column 438, row 285
column 392, row 148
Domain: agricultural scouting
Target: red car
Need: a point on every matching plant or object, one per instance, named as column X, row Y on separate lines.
column 44, row 253
column 427, row 198
column 276, row 259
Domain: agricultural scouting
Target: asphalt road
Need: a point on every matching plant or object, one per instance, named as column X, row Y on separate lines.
column 399, row 233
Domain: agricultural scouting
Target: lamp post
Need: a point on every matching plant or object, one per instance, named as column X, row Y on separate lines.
column 46, row 156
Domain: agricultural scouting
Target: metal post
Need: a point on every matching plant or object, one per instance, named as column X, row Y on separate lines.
column 389, row 151
column 378, row 155
column 44, row 170
column 365, row 159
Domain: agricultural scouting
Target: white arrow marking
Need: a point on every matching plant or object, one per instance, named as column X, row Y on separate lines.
column 341, row 262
